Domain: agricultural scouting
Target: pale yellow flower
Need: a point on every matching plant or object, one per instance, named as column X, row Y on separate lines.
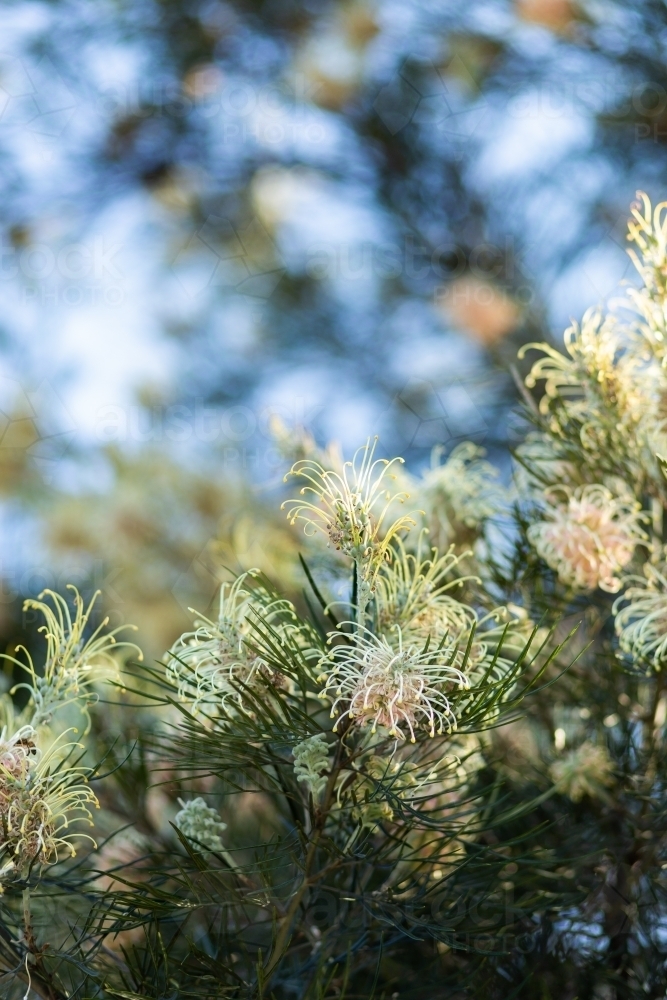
column 350, row 508
column 647, row 230
column 461, row 491
column 42, row 799
column 73, row 663
column 597, row 389
column 641, row 618
column 416, row 594
column 216, row 661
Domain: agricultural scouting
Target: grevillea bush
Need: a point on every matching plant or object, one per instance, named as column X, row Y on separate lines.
column 439, row 772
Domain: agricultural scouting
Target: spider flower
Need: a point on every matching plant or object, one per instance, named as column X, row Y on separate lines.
column 463, row 490
column 586, row 770
column 641, row 624
column 216, row 661
column 73, row 663
column 395, row 684
column 41, row 799
column 647, row 229
column 589, row 538
column 602, row 383
column 351, row 508
column 416, row 594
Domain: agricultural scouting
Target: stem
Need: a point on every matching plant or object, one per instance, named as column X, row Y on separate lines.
column 362, row 598
column 27, row 917
column 36, row 983
column 286, row 922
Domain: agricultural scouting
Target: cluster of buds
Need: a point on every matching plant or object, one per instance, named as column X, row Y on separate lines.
column 311, row 758
column 199, row 822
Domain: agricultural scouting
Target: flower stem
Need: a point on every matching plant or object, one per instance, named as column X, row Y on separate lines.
column 361, row 610
column 36, row 982
column 282, row 936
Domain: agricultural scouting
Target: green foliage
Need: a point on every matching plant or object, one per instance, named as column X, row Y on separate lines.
column 398, row 786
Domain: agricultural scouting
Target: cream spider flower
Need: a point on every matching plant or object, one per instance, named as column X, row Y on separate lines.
column 590, row 537
column 216, row 661
column 586, row 770
column 415, row 594
column 641, row 624
column 350, row 510
column 647, row 229
column 41, row 800
column 394, row 684
column 73, row 663
column 464, row 490
column 601, row 381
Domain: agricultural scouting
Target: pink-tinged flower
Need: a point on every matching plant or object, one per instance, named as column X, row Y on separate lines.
column 399, row 686
column 589, row 538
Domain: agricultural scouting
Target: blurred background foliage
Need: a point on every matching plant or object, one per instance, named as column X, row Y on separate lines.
column 347, row 215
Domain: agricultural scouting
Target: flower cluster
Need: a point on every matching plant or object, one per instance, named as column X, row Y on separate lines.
column 648, row 231
column 596, row 464
column 596, row 395
column 41, row 799
column 462, row 492
column 417, row 595
column 44, row 796
column 586, row 770
column 641, row 618
column 74, row 662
